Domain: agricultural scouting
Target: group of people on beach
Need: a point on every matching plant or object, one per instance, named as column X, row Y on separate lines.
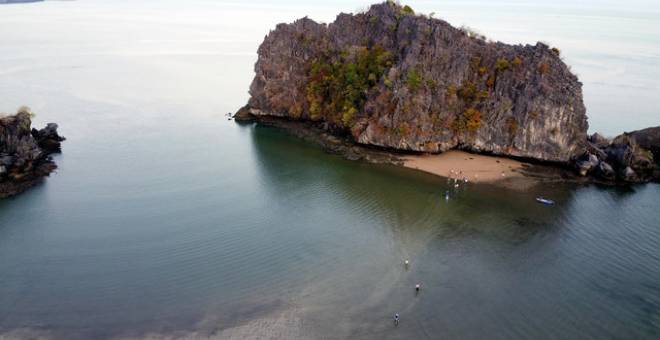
column 456, row 177
column 418, row 286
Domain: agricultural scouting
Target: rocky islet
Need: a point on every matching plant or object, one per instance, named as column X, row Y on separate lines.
column 390, row 78
column 25, row 153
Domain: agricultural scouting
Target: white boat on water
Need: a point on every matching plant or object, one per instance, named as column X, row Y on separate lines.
column 545, row 201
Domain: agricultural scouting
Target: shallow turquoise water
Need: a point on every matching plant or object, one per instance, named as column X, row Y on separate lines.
column 165, row 218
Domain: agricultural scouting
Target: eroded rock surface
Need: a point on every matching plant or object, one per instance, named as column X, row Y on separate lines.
column 390, row 78
column 649, row 139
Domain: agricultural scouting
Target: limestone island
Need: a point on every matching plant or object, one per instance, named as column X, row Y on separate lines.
column 389, row 85
column 25, row 153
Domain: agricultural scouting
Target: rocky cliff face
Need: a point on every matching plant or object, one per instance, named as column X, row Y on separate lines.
column 24, row 153
column 394, row 79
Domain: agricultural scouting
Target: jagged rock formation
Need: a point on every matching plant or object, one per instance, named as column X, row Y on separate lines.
column 649, row 139
column 394, row 79
column 630, row 157
column 25, row 153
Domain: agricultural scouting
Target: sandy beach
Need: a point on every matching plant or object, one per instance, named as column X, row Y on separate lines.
column 476, row 168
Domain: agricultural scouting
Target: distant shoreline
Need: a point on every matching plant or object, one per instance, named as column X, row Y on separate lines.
column 9, row 2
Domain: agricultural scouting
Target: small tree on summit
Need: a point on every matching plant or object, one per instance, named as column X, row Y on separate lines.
column 26, row 110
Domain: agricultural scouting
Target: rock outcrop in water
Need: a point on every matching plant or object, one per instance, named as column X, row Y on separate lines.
column 630, row 157
column 394, row 79
column 25, row 153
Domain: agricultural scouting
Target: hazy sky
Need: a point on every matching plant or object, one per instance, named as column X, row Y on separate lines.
column 613, row 46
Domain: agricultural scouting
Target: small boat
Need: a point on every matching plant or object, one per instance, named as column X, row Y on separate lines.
column 545, row 201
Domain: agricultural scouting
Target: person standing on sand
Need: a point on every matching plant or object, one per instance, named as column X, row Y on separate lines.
column 396, row 319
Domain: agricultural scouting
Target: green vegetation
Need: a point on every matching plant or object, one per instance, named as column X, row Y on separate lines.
column 516, row 61
column 458, row 125
column 555, row 51
column 451, row 90
column 467, row 92
column 407, row 10
column 431, row 84
column 481, row 95
column 388, row 83
column 501, row 65
column 469, row 121
column 414, row 80
column 26, row 110
column 348, row 116
column 337, row 91
column 470, row 94
column 473, row 119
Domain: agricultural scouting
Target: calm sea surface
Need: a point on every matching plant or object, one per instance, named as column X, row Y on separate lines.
column 165, row 219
